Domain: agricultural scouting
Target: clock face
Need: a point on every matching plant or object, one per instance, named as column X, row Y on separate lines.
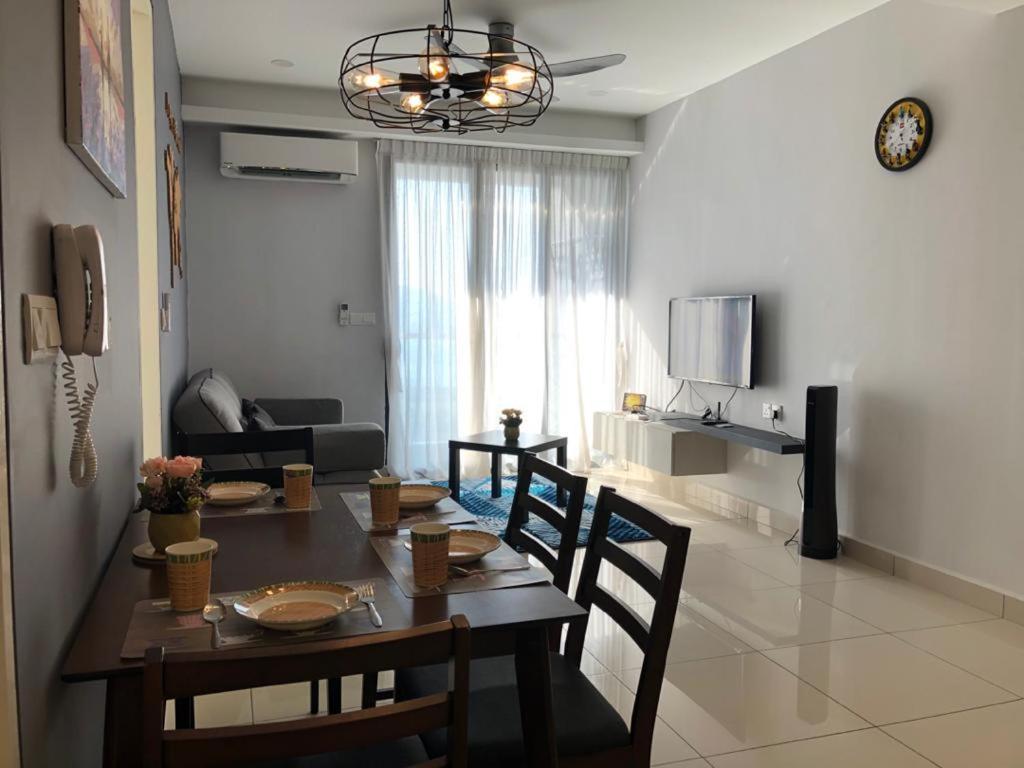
column 903, row 134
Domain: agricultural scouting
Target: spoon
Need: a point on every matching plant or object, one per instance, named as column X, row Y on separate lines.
column 213, row 613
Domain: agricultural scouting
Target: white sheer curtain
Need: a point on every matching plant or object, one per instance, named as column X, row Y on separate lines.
column 503, row 272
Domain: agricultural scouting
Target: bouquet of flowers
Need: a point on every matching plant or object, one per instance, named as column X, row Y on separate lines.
column 171, row 486
column 511, row 417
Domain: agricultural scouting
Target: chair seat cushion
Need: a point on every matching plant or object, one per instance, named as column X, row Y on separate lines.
column 585, row 723
column 398, row 754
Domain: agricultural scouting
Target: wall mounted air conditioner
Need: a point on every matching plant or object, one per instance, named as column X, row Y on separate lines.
column 288, row 158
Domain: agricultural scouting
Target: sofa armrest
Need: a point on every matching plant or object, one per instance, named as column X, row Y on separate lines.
column 348, row 447
column 297, row 411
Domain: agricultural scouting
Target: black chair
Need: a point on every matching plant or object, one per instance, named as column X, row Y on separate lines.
column 589, row 731
column 566, row 521
column 384, row 737
column 236, row 443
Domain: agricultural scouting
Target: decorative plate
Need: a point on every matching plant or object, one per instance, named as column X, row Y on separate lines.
column 235, row 494
column 297, row 605
column 421, row 496
column 903, row 134
column 469, row 546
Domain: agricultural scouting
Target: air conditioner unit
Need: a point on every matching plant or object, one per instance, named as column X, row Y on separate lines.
column 288, row 158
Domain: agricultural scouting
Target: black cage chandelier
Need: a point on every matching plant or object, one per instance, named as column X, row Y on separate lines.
column 437, row 86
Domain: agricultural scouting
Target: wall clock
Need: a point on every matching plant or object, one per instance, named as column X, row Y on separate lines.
column 903, row 134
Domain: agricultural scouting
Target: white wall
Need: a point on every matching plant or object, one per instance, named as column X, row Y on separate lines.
column 904, row 289
column 269, row 262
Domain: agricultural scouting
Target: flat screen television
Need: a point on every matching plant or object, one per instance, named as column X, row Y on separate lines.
column 711, row 340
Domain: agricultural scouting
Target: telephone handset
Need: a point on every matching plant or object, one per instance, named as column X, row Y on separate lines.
column 82, row 310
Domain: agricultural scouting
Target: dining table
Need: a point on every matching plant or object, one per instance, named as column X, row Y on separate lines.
column 325, row 544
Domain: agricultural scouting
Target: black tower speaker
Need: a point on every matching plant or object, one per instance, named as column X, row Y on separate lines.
column 819, row 532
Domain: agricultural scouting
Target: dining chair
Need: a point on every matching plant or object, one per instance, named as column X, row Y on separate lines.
column 384, row 737
column 258, row 442
column 558, row 560
column 204, row 445
column 589, row 731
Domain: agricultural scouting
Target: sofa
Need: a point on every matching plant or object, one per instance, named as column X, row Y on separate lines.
column 344, row 453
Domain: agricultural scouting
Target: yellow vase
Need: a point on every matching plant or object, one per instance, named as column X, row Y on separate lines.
column 165, row 530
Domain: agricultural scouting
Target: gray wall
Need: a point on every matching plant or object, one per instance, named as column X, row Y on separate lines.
column 904, row 289
column 61, row 535
column 173, row 345
column 269, row 262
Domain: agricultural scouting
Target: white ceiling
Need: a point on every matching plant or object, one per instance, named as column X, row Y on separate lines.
column 674, row 47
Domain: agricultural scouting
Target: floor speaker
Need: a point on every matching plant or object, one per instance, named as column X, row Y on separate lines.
column 819, row 532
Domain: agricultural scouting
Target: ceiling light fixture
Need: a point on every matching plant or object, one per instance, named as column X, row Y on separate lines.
column 435, row 85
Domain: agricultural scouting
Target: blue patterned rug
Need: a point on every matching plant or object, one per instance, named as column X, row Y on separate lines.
column 475, row 496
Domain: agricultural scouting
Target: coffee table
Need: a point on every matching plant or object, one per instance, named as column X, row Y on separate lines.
column 494, row 443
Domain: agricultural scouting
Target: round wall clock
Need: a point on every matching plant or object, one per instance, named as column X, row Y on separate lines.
column 903, row 134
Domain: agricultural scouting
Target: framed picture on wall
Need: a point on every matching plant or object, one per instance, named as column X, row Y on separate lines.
column 94, row 90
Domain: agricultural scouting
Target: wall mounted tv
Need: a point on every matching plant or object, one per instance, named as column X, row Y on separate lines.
column 711, row 340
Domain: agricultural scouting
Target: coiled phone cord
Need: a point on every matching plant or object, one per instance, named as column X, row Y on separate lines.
column 83, row 466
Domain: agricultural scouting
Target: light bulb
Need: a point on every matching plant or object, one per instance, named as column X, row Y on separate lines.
column 412, row 102
column 494, row 98
column 434, row 63
column 359, row 80
column 514, row 76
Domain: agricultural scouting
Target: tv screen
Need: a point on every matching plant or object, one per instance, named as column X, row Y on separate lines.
column 711, row 340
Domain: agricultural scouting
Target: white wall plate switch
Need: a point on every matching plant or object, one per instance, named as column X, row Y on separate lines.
column 40, row 327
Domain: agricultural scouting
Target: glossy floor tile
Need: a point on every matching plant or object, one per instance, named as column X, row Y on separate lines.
column 739, row 702
column 894, row 605
column 693, row 637
column 786, row 565
column 993, row 650
column 222, row 709
column 286, row 702
column 737, row 534
column 885, row 680
column 667, row 746
column 775, row 618
column 991, row 737
column 714, row 568
column 857, row 749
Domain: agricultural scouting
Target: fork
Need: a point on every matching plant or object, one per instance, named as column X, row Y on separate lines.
column 365, row 592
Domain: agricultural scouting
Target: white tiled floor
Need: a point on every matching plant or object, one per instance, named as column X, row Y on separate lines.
column 782, row 662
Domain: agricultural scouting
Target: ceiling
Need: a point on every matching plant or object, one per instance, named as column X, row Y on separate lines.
column 673, row 47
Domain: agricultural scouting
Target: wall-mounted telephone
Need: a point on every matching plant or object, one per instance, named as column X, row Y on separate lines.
column 82, row 308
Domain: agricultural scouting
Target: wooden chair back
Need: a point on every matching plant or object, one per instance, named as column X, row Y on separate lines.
column 181, row 675
column 653, row 638
column 567, row 522
column 232, row 443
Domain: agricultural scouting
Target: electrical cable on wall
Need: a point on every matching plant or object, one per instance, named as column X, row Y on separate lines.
column 83, row 465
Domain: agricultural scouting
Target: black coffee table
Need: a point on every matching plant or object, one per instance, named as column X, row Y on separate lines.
column 494, row 443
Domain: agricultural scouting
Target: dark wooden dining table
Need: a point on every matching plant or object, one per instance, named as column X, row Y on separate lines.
column 328, row 544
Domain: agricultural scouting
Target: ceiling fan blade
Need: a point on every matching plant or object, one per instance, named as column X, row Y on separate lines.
column 583, row 66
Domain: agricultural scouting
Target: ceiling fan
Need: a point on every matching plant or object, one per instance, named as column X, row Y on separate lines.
column 436, row 85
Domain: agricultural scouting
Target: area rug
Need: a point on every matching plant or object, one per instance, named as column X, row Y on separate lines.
column 475, row 495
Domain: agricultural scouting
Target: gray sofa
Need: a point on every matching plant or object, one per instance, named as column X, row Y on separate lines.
column 344, row 453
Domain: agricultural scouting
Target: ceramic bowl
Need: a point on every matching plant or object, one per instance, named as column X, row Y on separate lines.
column 469, row 546
column 297, row 605
column 421, row 496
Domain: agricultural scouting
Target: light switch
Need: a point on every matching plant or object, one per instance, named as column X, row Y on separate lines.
column 40, row 327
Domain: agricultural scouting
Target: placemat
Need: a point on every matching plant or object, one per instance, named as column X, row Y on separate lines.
column 264, row 505
column 154, row 623
column 398, row 560
column 445, row 511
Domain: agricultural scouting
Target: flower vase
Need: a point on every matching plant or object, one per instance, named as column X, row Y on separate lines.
column 511, row 434
column 165, row 530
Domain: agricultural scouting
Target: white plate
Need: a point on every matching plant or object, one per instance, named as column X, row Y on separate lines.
column 297, row 605
column 469, row 546
column 235, row 494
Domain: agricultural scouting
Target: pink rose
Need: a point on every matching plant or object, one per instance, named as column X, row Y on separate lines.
column 152, row 467
column 155, row 482
column 181, row 466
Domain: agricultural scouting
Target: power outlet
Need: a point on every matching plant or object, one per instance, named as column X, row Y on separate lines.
column 771, row 411
column 344, row 315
